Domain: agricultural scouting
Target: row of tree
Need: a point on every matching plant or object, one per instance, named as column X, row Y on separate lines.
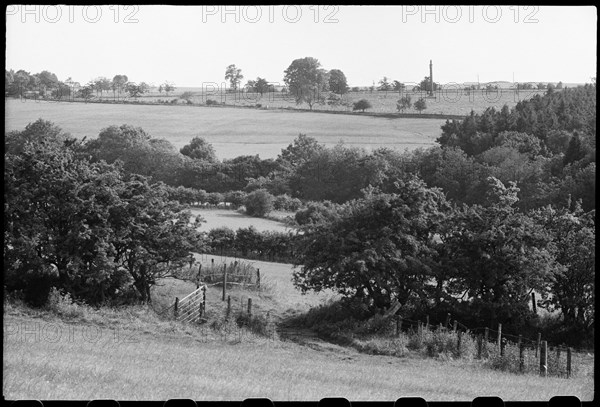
column 46, row 84
column 549, row 161
column 479, row 262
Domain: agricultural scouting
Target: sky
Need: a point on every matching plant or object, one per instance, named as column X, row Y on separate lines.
column 192, row 46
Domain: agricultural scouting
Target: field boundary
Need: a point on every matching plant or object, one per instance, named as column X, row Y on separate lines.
column 386, row 115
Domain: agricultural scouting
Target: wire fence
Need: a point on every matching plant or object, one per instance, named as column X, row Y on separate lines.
column 500, row 350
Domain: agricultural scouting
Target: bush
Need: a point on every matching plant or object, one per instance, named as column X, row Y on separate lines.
column 287, row 203
column 210, row 102
column 362, row 105
column 259, row 203
column 62, row 303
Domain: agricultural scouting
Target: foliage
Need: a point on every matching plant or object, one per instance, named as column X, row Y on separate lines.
column 199, row 149
column 259, row 203
column 86, row 228
column 362, row 105
column 306, row 80
column 420, row 105
column 338, row 82
column 234, row 75
column 404, row 103
column 377, row 247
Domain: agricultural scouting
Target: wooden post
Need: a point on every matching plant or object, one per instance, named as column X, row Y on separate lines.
column 228, row 306
column 499, row 340
column 544, row 359
column 176, row 306
column 538, row 343
column 558, row 360
column 398, row 325
column 427, row 322
column 258, row 278
column 502, row 345
column 250, row 307
column 203, row 300
column 458, row 337
column 200, row 307
column 479, row 345
column 568, row 362
column 486, row 335
column 199, row 277
column 224, row 280
column 521, row 355
column 533, row 303
column 446, row 325
column 454, row 326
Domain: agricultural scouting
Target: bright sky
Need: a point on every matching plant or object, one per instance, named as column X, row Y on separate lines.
column 192, row 46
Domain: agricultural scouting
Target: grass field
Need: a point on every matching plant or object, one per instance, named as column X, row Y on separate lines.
column 131, row 354
column 216, row 218
column 446, row 101
column 231, row 131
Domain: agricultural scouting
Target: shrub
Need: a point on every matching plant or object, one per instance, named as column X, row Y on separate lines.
column 210, row 102
column 259, row 203
column 62, row 303
column 362, row 105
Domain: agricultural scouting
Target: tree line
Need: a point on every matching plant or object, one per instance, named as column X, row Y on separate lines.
column 45, row 84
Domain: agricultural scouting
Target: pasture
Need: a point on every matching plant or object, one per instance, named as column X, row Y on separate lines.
column 231, row 131
column 216, row 218
column 448, row 100
column 131, row 354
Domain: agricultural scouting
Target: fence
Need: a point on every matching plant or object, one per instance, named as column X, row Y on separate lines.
column 234, row 273
column 190, row 308
column 519, row 354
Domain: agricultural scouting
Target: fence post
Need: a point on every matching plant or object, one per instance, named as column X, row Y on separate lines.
column 499, row 341
column 502, row 345
column 533, row 303
column 176, row 306
column 228, row 312
column 204, row 300
column 224, row 280
column 258, row 278
column 479, row 345
column 568, row 362
column 427, row 322
column 454, row 326
column 486, row 335
column 250, row 307
column 544, row 359
column 538, row 343
column 398, row 325
column 459, row 335
column 558, row 360
column 199, row 309
column 521, row 355
column 447, row 320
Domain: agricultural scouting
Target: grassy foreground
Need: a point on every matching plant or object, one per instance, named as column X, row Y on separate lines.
column 130, row 353
column 92, row 361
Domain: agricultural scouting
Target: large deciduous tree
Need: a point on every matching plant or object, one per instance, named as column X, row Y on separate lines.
column 199, row 149
column 234, row 75
column 496, row 255
column 378, row 247
column 337, row 82
column 306, row 80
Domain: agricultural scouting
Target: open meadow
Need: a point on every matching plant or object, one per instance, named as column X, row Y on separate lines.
column 216, row 218
column 231, row 131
